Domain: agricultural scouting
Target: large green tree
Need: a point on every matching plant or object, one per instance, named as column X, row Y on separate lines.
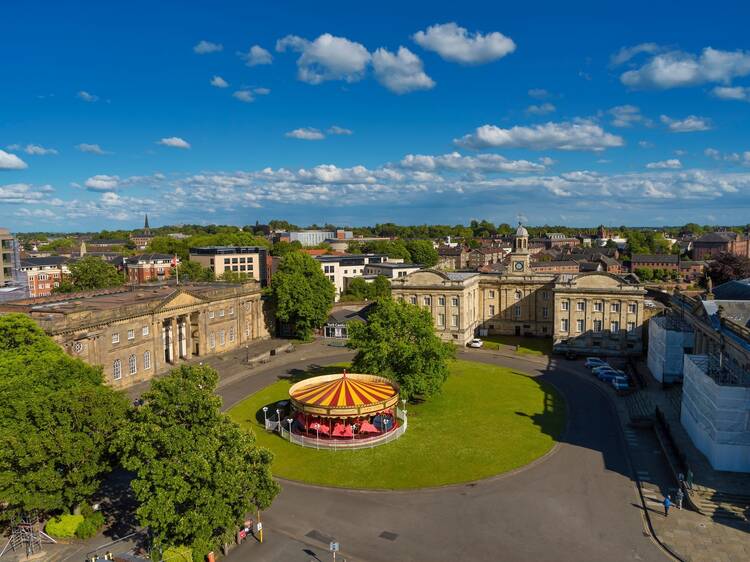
column 197, row 474
column 399, row 342
column 90, row 272
column 302, row 294
column 57, row 421
column 422, row 252
column 193, row 271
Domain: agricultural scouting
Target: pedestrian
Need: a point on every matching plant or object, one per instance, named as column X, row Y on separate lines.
column 679, row 497
column 667, row 504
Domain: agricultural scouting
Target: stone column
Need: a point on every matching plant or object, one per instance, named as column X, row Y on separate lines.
column 188, row 336
column 174, row 341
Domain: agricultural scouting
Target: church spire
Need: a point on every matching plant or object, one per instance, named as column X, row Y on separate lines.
column 146, row 229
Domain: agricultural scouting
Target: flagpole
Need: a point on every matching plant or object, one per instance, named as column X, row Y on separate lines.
column 176, row 270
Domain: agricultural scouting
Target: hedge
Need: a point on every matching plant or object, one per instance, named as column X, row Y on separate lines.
column 64, row 526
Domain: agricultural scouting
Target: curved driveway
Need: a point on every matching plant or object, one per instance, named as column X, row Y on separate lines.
column 578, row 504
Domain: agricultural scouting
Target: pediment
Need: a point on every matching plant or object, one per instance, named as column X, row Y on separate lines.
column 424, row 277
column 180, row 299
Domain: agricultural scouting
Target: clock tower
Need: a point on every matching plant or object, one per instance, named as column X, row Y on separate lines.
column 519, row 257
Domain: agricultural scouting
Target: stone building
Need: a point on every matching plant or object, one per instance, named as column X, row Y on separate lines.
column 136, row 333
column 584, row 313
column 142, row 239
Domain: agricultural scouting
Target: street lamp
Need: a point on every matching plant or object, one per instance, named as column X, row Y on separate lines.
column 265, row 417
column 289, row 421
column 278, row 418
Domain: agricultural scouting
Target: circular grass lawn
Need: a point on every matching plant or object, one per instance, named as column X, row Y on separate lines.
column 487, row 420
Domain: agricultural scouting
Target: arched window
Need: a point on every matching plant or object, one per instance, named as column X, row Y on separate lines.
column 117, row 370
column 132, row 365
column 146, row 360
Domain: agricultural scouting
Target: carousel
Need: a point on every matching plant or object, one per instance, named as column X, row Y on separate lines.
column 344, row 410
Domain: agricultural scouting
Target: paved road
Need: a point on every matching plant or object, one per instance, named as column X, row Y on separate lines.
column 579, row 504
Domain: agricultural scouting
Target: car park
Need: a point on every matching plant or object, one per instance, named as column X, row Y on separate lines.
column 601, row 368
column 592, row 362
column 476, row 342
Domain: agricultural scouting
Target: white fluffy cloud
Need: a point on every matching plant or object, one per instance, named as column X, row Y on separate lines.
column 482, row 163
column 90, row 148
column 336, row 130
column 626, row 53
column 577, row 135
column 205, row 47
column 456, row 44
column 671, row 164
column 306, row 133
column 102, row 182
column 327, row 58
column 262, row 91
column 734, row 157
column 400, row 72
column 174, row 142
column 736, row 93
column 86, row 96
column 244, row 96
column 33, row 149
column 689, row 124
column 541, row 109
column 219, row 82
column 257, row 55
column 23, row 193
column 679, row 69
column 10, row 161
column 627, row 116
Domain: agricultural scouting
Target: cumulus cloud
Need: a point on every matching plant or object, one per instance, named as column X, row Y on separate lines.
column 679, row 69
column 736, row 93
column 456, row 44
column 23, row 193
column 244, row 96
column 733, row 157
column 86, row 96
column 327, row 58
column 541, row 109
column 174, row 142
column 257, row 55
column 401, row 72
column 577, row 135
column 102, row 182
column 10, row 161
column 34, row 149
column 219, row 82
column 91, row 148
column 538, row 93
column 262, row 91
column 626, row 53
column 671, row 164
column 306, row 133
column 482, row 163
column 205, row 47
column 336, row 130
column 689, row 124
column 627, row 115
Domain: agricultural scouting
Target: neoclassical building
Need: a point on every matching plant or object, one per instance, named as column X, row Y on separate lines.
column 591, row 313
column 136, row 333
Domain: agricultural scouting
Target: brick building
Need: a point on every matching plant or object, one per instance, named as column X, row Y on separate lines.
column 150, row 267
column 712, row 244
column 43, row 275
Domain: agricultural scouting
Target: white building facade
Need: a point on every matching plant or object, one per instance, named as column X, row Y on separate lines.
column 669, row 339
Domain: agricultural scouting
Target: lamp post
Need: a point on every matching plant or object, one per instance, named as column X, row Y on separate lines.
column 289, row 421
column 265, row 417
column 278, row 418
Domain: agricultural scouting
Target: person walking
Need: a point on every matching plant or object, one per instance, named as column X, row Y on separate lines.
column 679, row 497
column 667, row 504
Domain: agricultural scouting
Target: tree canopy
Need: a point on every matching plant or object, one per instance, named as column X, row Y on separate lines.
column 359, row 289
column 422, row 252
column 302, row 294
column 193, row 271
column 399, row 342
column 728, row 267
column 58, row 419
column 90, row 272
column 197, row 473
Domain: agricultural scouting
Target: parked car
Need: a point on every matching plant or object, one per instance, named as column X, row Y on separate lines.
column 605, row 367
column 592, row 362
column 607, row 376
column 476, row 342
column 620, row 383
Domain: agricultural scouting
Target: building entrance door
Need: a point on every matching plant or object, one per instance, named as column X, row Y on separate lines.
column 518, row 330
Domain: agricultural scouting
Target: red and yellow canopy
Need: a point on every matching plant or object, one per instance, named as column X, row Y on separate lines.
column 344, row 394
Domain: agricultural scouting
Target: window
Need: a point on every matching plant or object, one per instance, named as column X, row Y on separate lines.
column 146, row 360
column 221, row 337
column 231, row 333
column 212, row 340
column 413, row 300
column 242, row 260
column 234, row 260
column 441, row 301
column 579, row 325
column 221, row 313
column 580, row 306
column 545, row 312
column 598, row 306
column 231, row 310
column 210, row 313
column 132, row 367
column 226, row 261
column 328, row 269
column 597, row 326
column 564, row 325
column 632, row 308
column 117, row 370
column 615, row 326
column 492, row 294
column 144, row 331
column 131, row 334
column 332, row 278
column 454, row 301
column 615, row 307
column 564, row 305
column 454, row 320
column 518, row 295
column 115, row 338
column 631, row 326
column 441, row 319
column 235, row 268
column 427, row 301
column 492, row 310
column 517, row 310
column 545, row 295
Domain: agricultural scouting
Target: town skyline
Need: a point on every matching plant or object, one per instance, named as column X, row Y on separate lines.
column 318, row 116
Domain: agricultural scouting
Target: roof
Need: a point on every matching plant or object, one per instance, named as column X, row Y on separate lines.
column 609, row 261
column 460, row 275
column 718, row 237
column 353, row 393
column 737, row 311
column 106, row 242
column 733, row 290
column 47, row 261
column 149, row 257
column 449, row 251
column 389, row 265
column 213, row 250
column 347, row 314
column 554, row 263
column 655, row 258
column 521, row 231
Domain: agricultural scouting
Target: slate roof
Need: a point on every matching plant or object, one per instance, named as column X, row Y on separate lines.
column 738, row 290
column 149, row 257
column 718, row 237
column 654, row 258
column 46, row 261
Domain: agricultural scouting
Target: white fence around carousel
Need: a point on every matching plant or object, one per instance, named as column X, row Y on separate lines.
column 341, row 443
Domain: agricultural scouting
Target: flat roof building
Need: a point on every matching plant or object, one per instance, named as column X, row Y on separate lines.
column 250, row 261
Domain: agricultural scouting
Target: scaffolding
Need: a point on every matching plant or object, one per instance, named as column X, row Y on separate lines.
column 27, row 535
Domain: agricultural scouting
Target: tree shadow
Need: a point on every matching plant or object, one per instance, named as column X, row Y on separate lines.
column 118, row 505
column 312, row 370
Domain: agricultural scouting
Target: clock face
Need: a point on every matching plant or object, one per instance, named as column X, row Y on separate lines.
column 518, row 266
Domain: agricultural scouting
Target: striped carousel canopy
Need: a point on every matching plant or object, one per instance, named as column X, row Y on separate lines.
column 344, row 394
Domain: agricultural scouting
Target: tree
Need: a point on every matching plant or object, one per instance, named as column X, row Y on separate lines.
column 193, row 271
column 302, row 294
column 57, row 422
column 399, row 342
column 197, row 473
column 728, row 267
column 422, row 252
column 235, row 276
column 359, row 289
column 381, row 287
column 88, row 273
column 282, row 247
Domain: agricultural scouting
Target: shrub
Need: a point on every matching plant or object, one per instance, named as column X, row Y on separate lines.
column 178, row 554
column 90, row 526
column 64, row 526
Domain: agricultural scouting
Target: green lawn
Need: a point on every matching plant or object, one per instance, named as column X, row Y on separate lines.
column 525, row 345
column 486, row 421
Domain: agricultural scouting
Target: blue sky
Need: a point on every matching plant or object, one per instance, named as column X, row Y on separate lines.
column 231, row 112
